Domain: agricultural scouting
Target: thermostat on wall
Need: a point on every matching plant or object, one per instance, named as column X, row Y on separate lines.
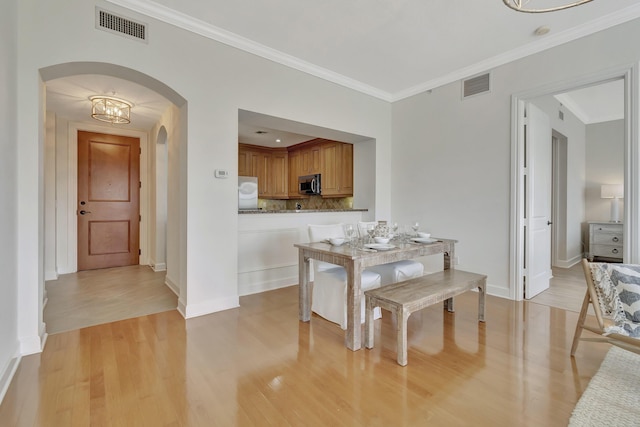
column 221, row 173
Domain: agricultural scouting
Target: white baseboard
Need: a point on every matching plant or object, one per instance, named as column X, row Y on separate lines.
column 160, row 266
column 182, row 308
column 256, row 288
column 568, row 263
column 35, row 343
column 497, row 291
column 207, row 307
column 50, row 275
column 7, row 375
column 267, row 279
column 172, row 285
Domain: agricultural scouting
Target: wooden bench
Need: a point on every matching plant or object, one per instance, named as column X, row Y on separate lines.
column 404, row 298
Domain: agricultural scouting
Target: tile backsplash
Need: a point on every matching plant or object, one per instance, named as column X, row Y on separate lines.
column 313, row 202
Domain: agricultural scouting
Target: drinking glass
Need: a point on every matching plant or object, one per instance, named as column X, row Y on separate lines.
column 350, row 232
column 371, row 229
column 403, row 233
column 394, row 229
column 415, row 227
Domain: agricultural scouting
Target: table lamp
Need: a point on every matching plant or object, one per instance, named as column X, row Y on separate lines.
column 614, row 192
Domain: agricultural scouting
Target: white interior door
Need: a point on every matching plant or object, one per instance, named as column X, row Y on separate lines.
column 538, row 205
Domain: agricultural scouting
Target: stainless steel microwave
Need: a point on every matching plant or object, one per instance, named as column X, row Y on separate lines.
column 309, row 184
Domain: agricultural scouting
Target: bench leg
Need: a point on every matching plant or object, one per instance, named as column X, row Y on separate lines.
column 368, row 322
column 402, row 317
column 448, row 305
column 481, row 293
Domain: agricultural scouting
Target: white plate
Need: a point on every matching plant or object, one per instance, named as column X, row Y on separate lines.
column 423, row 240
column 380, row 246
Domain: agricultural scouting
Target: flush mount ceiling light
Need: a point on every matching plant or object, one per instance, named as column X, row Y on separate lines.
column 111, row 110
column 541, row 6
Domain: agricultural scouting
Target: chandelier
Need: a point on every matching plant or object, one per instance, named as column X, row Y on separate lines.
column 540, row 6
column 110, row 110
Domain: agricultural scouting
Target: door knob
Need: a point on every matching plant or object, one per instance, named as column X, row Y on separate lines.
column 549, row 222
column 84, row 212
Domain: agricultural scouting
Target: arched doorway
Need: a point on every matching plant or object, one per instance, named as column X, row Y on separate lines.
column 173, row 163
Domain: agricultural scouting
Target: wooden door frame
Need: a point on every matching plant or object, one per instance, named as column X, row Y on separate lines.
column 630, row 75
column 72, row 199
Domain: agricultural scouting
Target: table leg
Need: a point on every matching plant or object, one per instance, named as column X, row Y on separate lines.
column 304, row 291
column 354, row 284
column 449, row 256
column 481, row 294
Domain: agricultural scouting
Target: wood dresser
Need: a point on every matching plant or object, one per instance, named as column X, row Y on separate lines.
column 605, row 240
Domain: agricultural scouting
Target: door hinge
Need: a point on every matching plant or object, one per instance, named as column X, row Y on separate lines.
column 139, row 218
column 139, row 150
column 139, row 251
column 139, row 184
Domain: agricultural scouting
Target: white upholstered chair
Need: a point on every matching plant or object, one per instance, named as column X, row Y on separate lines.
column 329, row 295
column 396, row 271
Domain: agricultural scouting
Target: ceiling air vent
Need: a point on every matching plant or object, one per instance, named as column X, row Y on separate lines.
column 476, row 85
column 112, row 23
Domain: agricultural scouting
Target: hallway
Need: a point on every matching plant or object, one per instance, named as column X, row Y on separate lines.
column 94, row 297
column 566, row 289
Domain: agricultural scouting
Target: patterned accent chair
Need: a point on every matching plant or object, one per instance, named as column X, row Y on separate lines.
column 613, row 290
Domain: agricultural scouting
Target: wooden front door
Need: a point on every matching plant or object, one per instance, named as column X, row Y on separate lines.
column 108, row 207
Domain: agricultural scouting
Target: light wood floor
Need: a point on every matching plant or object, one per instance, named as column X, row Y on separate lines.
column 566, row 289
column 94, row 297
column 258, row 365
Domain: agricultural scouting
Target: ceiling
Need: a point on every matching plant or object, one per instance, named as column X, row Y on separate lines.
column 389, row 49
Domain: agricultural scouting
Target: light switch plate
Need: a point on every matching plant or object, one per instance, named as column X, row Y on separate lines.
column 221, row 173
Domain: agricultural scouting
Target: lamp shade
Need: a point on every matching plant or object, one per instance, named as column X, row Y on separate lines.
column 611, row 191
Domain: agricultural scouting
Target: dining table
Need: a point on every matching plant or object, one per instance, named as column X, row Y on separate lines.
column 355, row 258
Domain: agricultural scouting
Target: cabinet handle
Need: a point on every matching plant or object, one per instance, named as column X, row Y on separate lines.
column 614, row 251
column 615, row 239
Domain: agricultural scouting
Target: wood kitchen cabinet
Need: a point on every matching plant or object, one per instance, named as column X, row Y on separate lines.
column 278, row 174
column 278, row 169
column 270, row 166
column 311, row 163
column 244, row 165
column 254, row 161
column 337, row 169
column 295, row 170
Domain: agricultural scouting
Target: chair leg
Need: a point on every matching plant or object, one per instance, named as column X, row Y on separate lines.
column 581, row 319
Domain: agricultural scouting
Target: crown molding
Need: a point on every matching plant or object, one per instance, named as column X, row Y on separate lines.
column 568, row 102
column 186, row 22
column 624, row 15
column 194, row 25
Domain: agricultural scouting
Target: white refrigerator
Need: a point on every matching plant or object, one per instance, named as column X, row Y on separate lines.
column 247, row 192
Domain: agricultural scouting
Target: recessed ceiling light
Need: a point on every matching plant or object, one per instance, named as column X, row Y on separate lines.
column 278, row 140
column 541, row 31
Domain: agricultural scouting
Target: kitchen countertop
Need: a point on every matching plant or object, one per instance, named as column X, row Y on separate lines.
column 264, row 211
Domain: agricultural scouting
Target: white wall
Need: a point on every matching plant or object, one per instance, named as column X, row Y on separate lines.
column 267, row 259
column 216, row 81
column 571, row 247
column 9, row 345
column 605, row 165
column 50, row 270
column 158, row 150
column 451, row 164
